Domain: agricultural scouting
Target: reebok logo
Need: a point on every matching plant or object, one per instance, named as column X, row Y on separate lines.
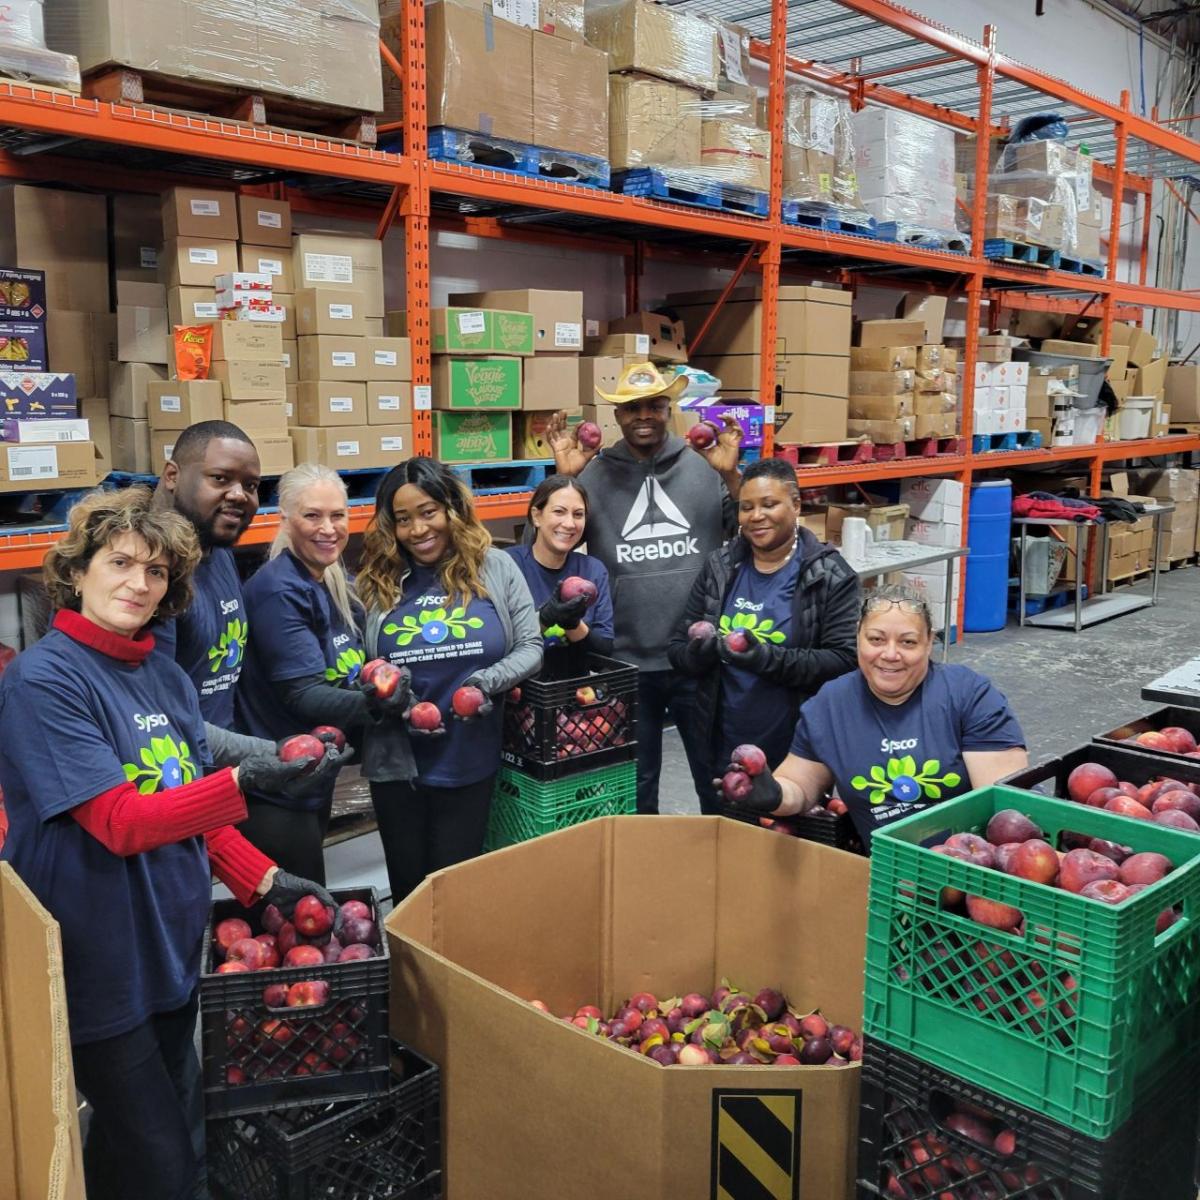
column 655, row 520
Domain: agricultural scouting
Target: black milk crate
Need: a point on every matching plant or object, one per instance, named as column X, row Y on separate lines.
column 387, row 1147
column 818, row 825
column 1161, row 718
column 557, row 729
column 905, row 1148
column 1131, row 763
column 256, row 1056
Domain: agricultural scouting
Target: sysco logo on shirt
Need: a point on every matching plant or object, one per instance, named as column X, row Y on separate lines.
column 886, row 747
column 743, row 603
column 229, row 606
column 340, row 639
column 436, row 601
column 147, row 721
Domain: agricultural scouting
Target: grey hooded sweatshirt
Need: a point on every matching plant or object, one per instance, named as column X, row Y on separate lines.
column 653, row 523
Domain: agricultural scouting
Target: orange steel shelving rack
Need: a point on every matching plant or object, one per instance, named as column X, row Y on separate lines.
column 871, row 51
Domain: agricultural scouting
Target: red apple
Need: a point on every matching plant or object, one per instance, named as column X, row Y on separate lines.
column 359, row 931
column 1146, row 867
column 1154, row 740
column 1035, row 860
column 272, row 919
column 1011, row 825
column 307, row 992
column 330, row 733
column 1004, row 855
column 1111, row 891
column 980, row 852
column 386, row 679
column 303, row 956
column 302, row 745
column 355, row 952
column 691, row 1055
column 737, row 642
column 467, row 701
column 1080, row 867
column 750, row 759
column 356, row 908
column 1184, row 800
column 270, row 950
column 232, row 929
column 1176, row 818
column 249, row 951
column 425, row 716
column 736, row 785
column 992, row 912
column 233, row 967
column 1101, row 796
column 1128, row 808
column 286, row 938
column 275, row 995
column 576, row 585
column 590, row 435
column 312, row 917
column 1086, row 778
column 1182, row 741
column 700, row 630
column 331, row 951
column 703, row 434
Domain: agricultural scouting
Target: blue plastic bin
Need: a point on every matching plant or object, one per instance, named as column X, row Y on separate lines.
column 988, row 532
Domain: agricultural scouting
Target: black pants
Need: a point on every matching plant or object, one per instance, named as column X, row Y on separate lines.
column 145, row 1139
column 424, row 829
column 293, row 838
column 661, row 693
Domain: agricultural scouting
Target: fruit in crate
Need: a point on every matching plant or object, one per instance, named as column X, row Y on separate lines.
column 232, row 929
column 1086, row 778
column 312, row 917
column 303, row 956
column 302, row 745
column 467, row 701
column 575, row 585
column 1009, row 825
column 250, row 952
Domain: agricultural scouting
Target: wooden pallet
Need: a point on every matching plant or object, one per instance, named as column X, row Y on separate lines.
column 1126, row 580
column 125, row 85
column 826, row 454
column 1183, row 428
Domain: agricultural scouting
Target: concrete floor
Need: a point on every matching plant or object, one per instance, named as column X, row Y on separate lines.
column 1064, row 687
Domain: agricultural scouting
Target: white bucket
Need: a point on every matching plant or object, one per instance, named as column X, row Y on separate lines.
column 1088, row 423
column 1135, row 416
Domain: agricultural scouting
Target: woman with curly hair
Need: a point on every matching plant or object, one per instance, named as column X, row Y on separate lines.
column 444, row 604
column 117, row 830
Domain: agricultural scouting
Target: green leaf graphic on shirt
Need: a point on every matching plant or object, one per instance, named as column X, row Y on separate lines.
column 433, row 626
column 229, row 650
column 165, row 764
column 764, row 630
column 554, row 631
column 902, row 781
column 347, row 666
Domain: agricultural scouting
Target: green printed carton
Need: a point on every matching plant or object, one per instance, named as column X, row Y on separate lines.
column 491, row 383
column 480, row 330
column 471, row 437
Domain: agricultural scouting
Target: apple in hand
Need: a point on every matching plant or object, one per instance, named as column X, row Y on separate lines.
column 330, row 733
column 467, row 701
column 737, row 642
column 302, row 745
column 312, row 917
column 590, row 435
column 703, row 434
column 576, row 585
column 425, row 716
column 750, row 758
column 701, row 631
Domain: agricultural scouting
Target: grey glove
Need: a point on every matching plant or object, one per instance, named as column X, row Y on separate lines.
column 267, row 774
column 763, row 797
column 565, row 614
column 701, row 655
column 485, row 709
column 395, row 705
column 288, row 888
column 320, row 779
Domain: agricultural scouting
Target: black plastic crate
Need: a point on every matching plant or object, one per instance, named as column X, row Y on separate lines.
column 555, row 728
column 1160, row 718
column 818, row 825
column 385, row 1148
column 256, row 1056
column 1130, row 763
column 905, row 1148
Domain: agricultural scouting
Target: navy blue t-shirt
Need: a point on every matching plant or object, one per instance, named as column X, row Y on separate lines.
column 209, row 640
column 543, row 580
column 75, row 723
column 298, row 632
column 442, row 644
column 891, row 760
column 754, row 709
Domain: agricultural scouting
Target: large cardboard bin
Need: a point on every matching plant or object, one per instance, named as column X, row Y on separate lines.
column 536, row 1109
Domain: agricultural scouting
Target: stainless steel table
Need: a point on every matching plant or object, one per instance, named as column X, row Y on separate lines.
column 1179, row 686
column 883, row 558
column 1099, row 607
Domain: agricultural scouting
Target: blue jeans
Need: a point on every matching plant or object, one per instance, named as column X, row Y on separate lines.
column 146, row 1133
column 663, row 693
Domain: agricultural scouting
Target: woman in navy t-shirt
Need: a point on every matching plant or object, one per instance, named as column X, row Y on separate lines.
column 557, row 519
column 444, row 604
column 116, row 829
column 303, row 658
column 897, row 735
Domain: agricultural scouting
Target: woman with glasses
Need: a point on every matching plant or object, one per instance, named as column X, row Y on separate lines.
column 897, row 735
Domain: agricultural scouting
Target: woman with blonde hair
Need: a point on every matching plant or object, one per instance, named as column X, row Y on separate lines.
column 304, row 656
column 117, row 829
column 441, row 601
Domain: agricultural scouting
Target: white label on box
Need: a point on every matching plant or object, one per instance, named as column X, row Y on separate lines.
column 343, row 358
column 206, row 208
column 341, row 403
column 422, row 397
column 769, row 415
column 270, row 266
column 270, row 220
column 33, row 462
column 471, row 322
column 289, row 408
column 519, row 12
column 346, row 449
column 1083, row 182
column 591, row 328
column 148, row 257
column 170, row 403
column 566, row 333
column 328, row 268
column 202, row 255
column 641, row 343
column 385, row 358
column 389, row 403
column 205, row 310
column 168, row 452
column 341, row 312
column 286, row 358
column 731, row 54
column 391, row 443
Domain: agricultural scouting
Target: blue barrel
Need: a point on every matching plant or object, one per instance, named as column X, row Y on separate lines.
column 989, row 529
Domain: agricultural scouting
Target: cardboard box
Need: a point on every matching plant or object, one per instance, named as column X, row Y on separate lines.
column 323, row 403
column 557, row 316
column 128, row 388
column 531, row 432
column 178, row 403
column 389, row 359
column 189, row 212
column 137, row 235
column 274, row 451
column 944, row 424
column 578, row 898
column 886, row 521
column 652, row 123
column 336, row 311
column 264, row 222
column 335, row 359
column 881, row 408
column 667, row 338
column 481, row 331
column 802, row 419
column 732, row 152
column 291, row 361
column 60, row 465
column 351, row 447
column 478, row 71
column 549, row 383
column 1151, row 379
column 340, row 261
column 274, row 261
column 42, row 429
column 250, row 380
column 817, row 374
column 570, row 96
column 129, row 445
column 261, row 416
column 654, row 39
column 40, row 1149
column 927, row 308
column 597, row 374
column 192, row 306
column 142, row 335
column 1143, row 347
column 246, row 341
column 480, row 383
column 1183, row 392
column 75, row 343
column 64, row 235
column 882, row 432
column 933, row 500
column 903, row 332
column 1074, row 349
column 626, row 348
column 37, row 394
column 196, row 262
column 389, row 403
column 881, row 383
column 464, row 437
column 883, row 358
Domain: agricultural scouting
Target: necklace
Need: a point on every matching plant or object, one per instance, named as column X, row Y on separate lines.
column 779, row 566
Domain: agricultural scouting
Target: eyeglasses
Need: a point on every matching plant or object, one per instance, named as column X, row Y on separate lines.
column 873, row 604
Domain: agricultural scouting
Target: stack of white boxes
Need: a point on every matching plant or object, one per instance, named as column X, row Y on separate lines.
column 935, row 519
column 905, row 168
column 1000, row 401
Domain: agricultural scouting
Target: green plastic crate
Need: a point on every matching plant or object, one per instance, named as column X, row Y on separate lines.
column 1070, row 1016
column 524, row 808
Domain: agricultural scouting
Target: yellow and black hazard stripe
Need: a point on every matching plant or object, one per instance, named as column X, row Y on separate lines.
column 756, row 1145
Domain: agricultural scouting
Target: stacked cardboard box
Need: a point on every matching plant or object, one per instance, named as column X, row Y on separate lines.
column 935, row 508
column 1001, row 397
column 905, row 168
column 1036, row 194
column 1180, row 487
column 818, row 150
column 1183, row 393
column 1049, row 403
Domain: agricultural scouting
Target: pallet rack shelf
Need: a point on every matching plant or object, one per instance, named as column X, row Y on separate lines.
column 872, row 51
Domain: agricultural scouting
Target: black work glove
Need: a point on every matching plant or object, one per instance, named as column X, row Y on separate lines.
column 485, row 709
column 265, row 773
column 756, row 657
column 320, row 778
column 395, row 705
column 763, row 798
column 701, row 655
column 566, row 614
column 413, row 731
column 288, row 888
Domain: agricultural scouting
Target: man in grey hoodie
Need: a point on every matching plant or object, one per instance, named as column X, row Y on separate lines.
column 658, row 509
